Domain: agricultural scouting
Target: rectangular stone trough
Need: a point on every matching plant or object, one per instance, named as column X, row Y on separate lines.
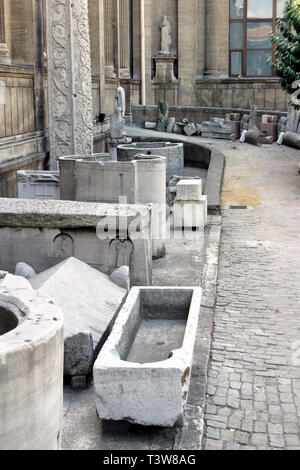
column 142, row 373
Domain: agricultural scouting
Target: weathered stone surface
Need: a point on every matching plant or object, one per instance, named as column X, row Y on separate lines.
column 34, row 184
column 190, row 129
column 24, row 270
column 121, row 277
column 245, row 122
column 31, row 368
column 253, row 119
column 136, row 379
column 69, row 62
column 189, row 189
column 13, row 282
column 117, row 122
column 150, row 125
column 89, row 301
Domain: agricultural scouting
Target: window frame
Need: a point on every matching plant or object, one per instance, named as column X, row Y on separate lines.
column 244, row 21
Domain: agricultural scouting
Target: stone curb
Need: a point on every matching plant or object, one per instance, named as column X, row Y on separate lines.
column 190, row 436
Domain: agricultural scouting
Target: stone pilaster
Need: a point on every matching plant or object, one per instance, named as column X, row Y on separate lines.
column 109, row 38
column 124, row 39
column 187, row 51
column 69, row 79
column 212, row 38
column 5, row 36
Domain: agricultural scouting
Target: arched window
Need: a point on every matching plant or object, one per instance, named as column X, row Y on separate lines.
column 251, row 22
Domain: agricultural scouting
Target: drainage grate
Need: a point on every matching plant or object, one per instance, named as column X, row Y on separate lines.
column 238, row 207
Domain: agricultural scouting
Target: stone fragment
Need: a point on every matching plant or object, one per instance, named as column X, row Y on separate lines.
column 282, row 124
column 162, row 117
column 253, row 137
column 245, row 122
column 178, row 128
column 89, row 301
column 190, row 129
column 253, row 119
column 117, row 122
column 150, row 125
column 198, row 129
column 121, row 277
column 24, row 270
column 291, row 139
column 170, row 125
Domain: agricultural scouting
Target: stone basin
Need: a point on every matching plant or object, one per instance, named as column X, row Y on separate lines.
column 142, row 374
column 173, row 152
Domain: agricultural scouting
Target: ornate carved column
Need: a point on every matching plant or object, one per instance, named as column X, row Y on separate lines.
column 5, row 31
column 212, row 38
column 124, row 39
column 69, row 79
column 109, row 38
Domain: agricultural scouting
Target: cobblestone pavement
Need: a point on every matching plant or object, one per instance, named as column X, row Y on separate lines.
column 253, row 390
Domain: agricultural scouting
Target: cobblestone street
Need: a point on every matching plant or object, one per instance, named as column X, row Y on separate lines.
column 253, row 391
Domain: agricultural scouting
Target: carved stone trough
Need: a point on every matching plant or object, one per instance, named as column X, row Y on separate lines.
column 142, row 374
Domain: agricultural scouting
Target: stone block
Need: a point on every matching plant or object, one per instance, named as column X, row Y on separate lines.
column 150, row 125
column 190, row 214
column 190, row 129
column 38, row 184
column 143, row 372
column 189, row 190
column 53, row 231
column 89, row 301
column 269, row 128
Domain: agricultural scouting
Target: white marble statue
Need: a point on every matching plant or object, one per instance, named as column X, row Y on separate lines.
column 121, row 100
column 166, row 40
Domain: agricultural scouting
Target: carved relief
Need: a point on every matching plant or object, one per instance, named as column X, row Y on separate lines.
column 63, row 246
column 69, row 79
column 121, row 253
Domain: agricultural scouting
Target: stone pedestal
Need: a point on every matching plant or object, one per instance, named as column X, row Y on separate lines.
column 164, row 68
column 69, row 79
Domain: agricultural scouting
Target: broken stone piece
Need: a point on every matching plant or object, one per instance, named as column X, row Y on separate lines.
column 291, row 139
column 9, row 281
column 245, row 122
column 89, row 301
column 170, row 125
column 162, row 117
column 190, row 129
column 24, row 270
column 253, row 137
column 150, row 125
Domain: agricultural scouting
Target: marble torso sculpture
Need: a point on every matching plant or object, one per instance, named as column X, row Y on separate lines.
column 166, row 40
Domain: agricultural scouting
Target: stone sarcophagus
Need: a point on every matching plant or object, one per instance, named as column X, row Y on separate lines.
column 142, row 374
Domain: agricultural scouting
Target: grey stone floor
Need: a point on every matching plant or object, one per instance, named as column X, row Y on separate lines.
column 254, row 376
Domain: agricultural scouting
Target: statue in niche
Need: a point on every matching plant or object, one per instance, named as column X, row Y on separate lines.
column 166, row 40
column 121, row 253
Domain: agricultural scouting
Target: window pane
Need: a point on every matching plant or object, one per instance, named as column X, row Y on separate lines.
column 236, row 9
column 260, row 9
column 257, row 63
column 280, row 8
column 236, row 63
column 236, row 35
column 258, row 35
